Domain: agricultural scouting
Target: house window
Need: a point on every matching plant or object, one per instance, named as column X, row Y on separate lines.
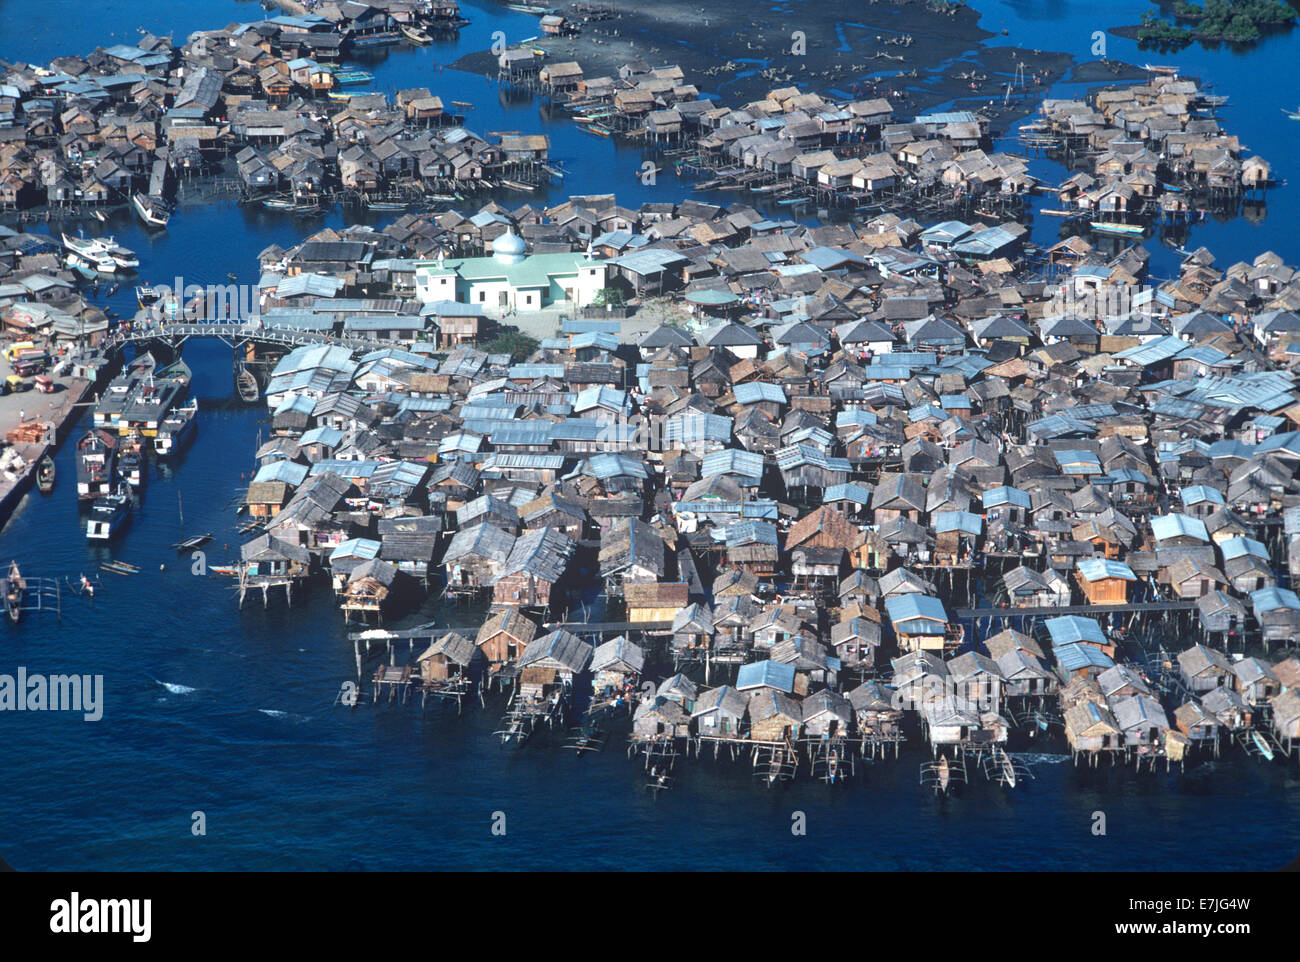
column 528, row 299
column 482, row 296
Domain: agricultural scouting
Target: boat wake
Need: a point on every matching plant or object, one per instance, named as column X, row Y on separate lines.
column 1039, row 758
column 174, row 688
column 288, row 715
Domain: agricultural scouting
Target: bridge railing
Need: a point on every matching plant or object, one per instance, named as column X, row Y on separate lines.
column 138, row 331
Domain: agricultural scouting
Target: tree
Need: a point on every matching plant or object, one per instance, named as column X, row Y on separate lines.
column 515, row 343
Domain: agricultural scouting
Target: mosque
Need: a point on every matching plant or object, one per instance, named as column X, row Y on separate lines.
column 511, row 279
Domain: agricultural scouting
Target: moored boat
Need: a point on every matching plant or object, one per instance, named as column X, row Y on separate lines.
column 153, row 211
column 96, row 461
column 90, row 265
column 45, row 474
column 416, row 35
column 246, row 383
column 131, row 462
column 289, row 205
column 351, row 78
column 1112, row 227
column 15, row 587
column 1265, row 749
column 176, row 430
column 108, row 515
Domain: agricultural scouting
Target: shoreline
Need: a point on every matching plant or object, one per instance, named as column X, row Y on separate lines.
column 62, row 418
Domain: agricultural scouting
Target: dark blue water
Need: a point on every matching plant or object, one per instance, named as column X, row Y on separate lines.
column 230, row 713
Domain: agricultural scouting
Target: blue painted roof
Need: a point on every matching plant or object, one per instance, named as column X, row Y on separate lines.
column 1099, row 569
column 962, row 521
column 1068, row 628
column 914, row 606
column 1271, row 599
column 1239, row 547
column 364, row 548
column 766, row 674
column 1199, row 493
column 1074, row 657
column 856, row 493
column 1078, row 461
column 754, row 392
column 1005, row 494
column 289, row 472
column 1178, row 525
column 747, row 464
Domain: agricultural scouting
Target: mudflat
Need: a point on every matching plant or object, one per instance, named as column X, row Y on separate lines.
column 906, row 50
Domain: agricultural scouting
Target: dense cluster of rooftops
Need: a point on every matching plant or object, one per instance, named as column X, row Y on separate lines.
column 804, row 481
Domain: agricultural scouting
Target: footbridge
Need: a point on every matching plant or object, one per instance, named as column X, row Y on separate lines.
column 236, row 333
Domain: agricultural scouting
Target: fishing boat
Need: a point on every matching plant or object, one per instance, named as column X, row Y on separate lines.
column 943, row 773
column 137, row 400
column 600, row 130
column 246, row 384
column 518, row 185
column 1264, row 747
column 1156, row 68
column 416, row 35
column 291, row 206
column 45, row 474
column 1113, row 227
column 108, row 515
column 131, row 462
column 339, row 96
column 105, row 253
column 125, row 259
column 1292, row 114
column 15, row 588
column 96, row 460
column 176, row 430
column 380, row 38
column 81, row 268
column 224, row 569
column 91, row 265
column 352, row 78
column 153, row 211
column 85, row 246
column 1008, row 771
column 386, row 205
column 190, row 544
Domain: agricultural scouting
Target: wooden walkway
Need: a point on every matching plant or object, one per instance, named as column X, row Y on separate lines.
column 430, row 633
column 1137, row 608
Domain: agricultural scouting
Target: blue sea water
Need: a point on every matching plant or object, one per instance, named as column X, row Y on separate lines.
column 226, row 712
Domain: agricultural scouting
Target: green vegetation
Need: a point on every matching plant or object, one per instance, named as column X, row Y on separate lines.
column 1234, row 21
column 515, row 343
column 608, row 295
